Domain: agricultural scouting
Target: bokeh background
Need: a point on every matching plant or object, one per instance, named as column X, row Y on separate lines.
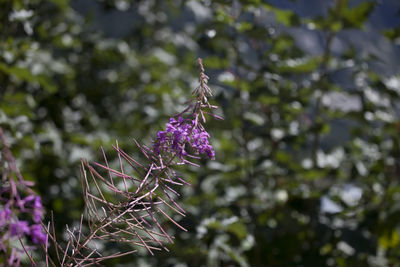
column 307, row 168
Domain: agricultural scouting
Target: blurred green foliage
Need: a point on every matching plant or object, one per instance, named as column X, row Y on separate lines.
column 308, row 156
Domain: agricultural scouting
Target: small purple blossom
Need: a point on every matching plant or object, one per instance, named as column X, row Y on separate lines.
column 29, row 198
column 37, row 209
column 5, row 217
column 201, row 143
column 19, row 228
column 37, row 234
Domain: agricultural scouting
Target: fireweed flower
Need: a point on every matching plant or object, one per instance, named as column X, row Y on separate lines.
column 32, row 207
column 21, row 211
column 5, row 216
column 144, row 189
column 13, row 228
column 182, row 133
column 37, row 234
column 186, row 135
column 37, row 209
column 19, row 228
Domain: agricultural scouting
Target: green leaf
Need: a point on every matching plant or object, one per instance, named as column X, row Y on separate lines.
column 15, row 105
column 223, row 17
column 389, row 240
column 301, row 65
column 62, row 4
column 239, row 229
column 355, row 17
column 27, row 76
column 216, row 62
column 392, row 34
column 284, row 16
column 243, row 26
column 215, row 225
column 269, row 100
column 336, row 26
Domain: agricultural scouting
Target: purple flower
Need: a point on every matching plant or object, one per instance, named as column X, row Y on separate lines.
column 20, row 203
column 38, row 203
column 19, row 228
column 37, row 209
column 5, row 216
column 178, row 133
column 37, row 234
column 201, row 143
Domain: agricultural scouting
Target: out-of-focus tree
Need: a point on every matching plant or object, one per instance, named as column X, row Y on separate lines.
column 308, row 156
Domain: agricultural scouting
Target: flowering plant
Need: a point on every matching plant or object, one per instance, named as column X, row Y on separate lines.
column 21, row 211
column 126, row 203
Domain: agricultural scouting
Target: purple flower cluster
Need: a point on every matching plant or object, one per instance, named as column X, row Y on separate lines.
column 12, row 209
column 180, row 133
column 9, row 221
